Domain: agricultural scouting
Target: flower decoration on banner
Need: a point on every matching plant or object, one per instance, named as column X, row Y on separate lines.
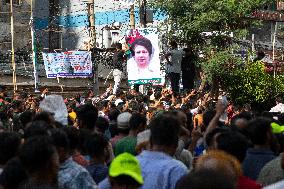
column 130, row 38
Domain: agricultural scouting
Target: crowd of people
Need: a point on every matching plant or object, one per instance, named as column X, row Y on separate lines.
column 131, row 140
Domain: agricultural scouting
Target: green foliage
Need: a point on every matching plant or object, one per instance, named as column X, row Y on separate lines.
column 193, row 17
column 220, row 65
column 252, row 84
column 245, row 82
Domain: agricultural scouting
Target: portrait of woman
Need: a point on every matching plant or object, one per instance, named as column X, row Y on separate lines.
column 141, row 66
column 142, row 52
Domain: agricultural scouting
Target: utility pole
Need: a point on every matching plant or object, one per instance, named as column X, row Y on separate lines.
column 143, row 13
column 92, row 21
column 13, row 48
column 92, row 42
column 132, row 17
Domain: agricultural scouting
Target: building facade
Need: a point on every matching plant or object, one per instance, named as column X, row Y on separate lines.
column 59, row 25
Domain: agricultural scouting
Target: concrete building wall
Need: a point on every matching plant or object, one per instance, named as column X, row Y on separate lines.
column 41, row 15
column 72, row 20
column 110, row 14
column 21, row 26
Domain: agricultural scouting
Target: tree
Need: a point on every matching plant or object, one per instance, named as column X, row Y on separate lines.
column 192, row 17
column 244, row 81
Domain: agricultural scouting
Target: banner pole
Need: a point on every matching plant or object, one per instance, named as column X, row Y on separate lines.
column 13, row 48
column 34, row 50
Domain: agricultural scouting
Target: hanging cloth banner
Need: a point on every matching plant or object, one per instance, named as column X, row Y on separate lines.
column 70, row 64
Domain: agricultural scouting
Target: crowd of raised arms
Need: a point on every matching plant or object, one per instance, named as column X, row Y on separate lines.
column 158, row 140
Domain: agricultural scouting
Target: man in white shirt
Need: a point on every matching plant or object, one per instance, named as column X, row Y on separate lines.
column 279, row 108
column 174, row 58
column 118, row 59
column 278, row 185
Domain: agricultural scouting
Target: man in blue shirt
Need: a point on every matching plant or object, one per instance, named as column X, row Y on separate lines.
column 159, row 169
column 261, row 136
column 70, row 175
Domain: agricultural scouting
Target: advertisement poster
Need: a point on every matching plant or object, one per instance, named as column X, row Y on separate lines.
column 143, row 66
column 70, row 64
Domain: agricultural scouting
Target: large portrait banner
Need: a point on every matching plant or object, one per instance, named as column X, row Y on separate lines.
column 143, row 66
column 70, row 64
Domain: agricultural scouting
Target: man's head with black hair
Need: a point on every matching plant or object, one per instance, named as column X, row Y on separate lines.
column 119, row 93
column 34, row 185
column 102, row 124
column 233, row 143
column 14, row 174
column 129, row 96
column 134, row 106
column 165, row 130
column 157, row 95
column 208, row 116
column 260, row 131
column 240, row 121
column 89, row 94
column 189, row 123
column 96, row 146
column 17, row 105
column 120, row 106
column 267, row 115
column 46, row 117
column 9, row 145
column 146, row 98
column 205, row 179
column 71, row 106
column 113, row 114
column 102, row 105
column 73, row 135
column 37, row 128
column 87, row 116
column 61, row 141
column 210, row 138
column 26, row 117
column 139, row 98
column 123, row 181
column 39, row 157
column 245, row 115
column 279, row 100
column 137, row 122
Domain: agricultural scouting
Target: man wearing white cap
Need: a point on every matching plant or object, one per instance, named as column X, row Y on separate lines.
column 122, row 127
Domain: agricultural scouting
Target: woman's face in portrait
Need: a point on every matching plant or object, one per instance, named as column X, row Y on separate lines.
column 142, row 56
